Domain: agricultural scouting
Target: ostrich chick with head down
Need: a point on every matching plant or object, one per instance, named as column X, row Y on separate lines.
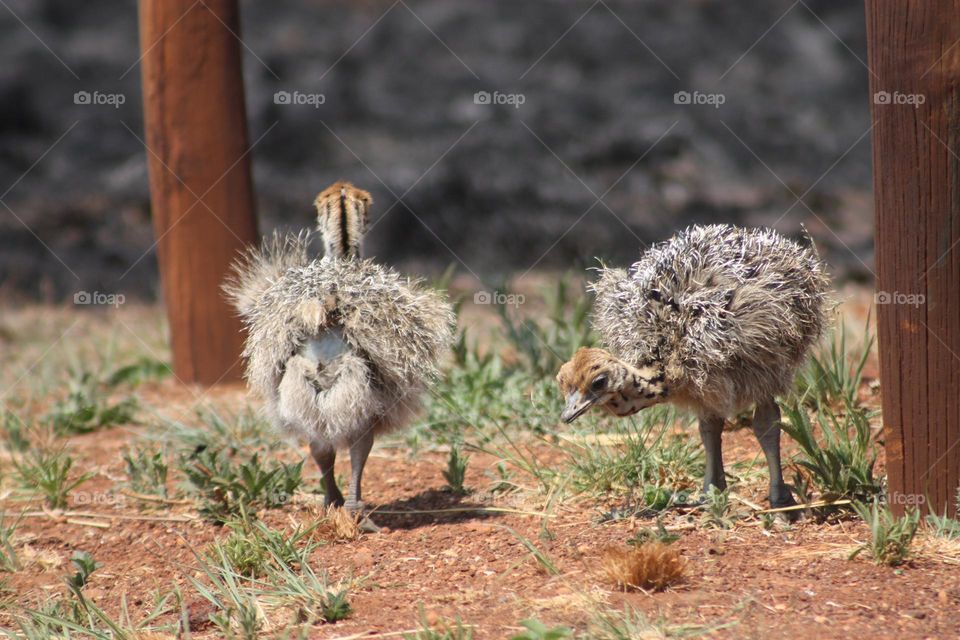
column 716, row 319
column 340, row 347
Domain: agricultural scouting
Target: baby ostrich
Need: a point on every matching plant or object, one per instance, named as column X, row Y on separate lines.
column 339, row 347
column 716, row 319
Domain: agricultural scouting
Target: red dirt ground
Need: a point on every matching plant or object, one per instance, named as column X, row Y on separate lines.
column 743, row 583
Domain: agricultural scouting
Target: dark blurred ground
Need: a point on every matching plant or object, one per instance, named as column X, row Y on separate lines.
column 494, row 188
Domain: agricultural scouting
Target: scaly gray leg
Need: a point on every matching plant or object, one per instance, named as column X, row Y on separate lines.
column 711, row 430
column 766, row 426
column 359, row 450
column 325, row 455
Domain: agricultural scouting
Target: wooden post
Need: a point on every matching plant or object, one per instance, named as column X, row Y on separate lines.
column 915, row 86
column 201, row 191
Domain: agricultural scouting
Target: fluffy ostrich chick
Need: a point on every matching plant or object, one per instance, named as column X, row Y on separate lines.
column 716, row 320
column 339, row 347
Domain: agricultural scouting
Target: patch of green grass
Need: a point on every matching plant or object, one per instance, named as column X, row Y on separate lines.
column 834, row 372
column 143, row 369
column 646, row 535
column 479, row 393
column 85, row 565
column 238, row 614
column 536, row 630
column 309, row 594
column 48, row 472
column 87, row 407
column 147, row 471
column 456, row 471
column 717, row 509
column 230, row 433
column 9, row 561
column 335, row 606
column 630, row 624
column 227, row 488
column 649, row 460
column 890, row 536
column 484, row 394
column 842, row 462
column 14, row 432
column 252, row 546
column 62, row 619
column 287, row 582
column 944, row 526
column 546, row 343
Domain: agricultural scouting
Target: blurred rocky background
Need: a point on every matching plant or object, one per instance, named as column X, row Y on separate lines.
column 518, row 134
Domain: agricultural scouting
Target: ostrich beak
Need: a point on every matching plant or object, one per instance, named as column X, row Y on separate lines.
column 577, row 404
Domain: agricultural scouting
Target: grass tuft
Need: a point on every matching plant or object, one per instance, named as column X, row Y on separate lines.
column 834, row 372
column 228, row 489
column 842, row 466
column 890, row 537
column 651, row 566
column 48, row 472
column 536, row 630
column 336, row 524
column 147, row 471
column 85, row 565
column 718, row 513
column 456, row 471
column 87, row 407
column 9, row 560
column 252, row 546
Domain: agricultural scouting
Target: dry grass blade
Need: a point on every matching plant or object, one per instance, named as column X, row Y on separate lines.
column 651, row 566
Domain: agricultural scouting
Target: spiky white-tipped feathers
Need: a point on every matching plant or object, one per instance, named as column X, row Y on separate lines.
column 728, row 313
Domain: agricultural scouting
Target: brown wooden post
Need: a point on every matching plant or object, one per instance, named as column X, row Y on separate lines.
column 200, row 187
column 915, row 61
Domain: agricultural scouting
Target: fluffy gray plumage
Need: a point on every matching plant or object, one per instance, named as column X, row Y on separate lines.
column 336, row 345
column 728, row 313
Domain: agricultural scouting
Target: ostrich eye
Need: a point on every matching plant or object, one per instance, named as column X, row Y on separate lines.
column 599, row 383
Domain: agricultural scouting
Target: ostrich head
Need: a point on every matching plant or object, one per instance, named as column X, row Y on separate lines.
column 342, row 216
column 593, row 377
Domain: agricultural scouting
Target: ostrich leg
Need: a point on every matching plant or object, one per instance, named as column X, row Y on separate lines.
column 359, row 450
column 711, row 430
column 325, row 455
column 766, row 428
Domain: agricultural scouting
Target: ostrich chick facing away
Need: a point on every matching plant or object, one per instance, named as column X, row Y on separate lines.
column 340, row 348
column 716, row 319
